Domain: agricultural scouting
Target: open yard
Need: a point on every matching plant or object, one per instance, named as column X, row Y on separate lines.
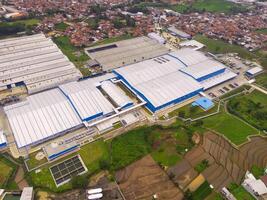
column 61, row 26
column 91, row 155
column 144, row 178
column 262, row 80
column 239, row 192
column 217, row 46
column 75, row 54
column 215, row 6
column 251, row 107
column 166, row 145
column 5, row 172
column 202, row 192
column 189, row 111
column 230, row 126
column 32, row 162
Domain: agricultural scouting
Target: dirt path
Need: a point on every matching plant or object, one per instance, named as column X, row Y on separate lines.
column 20, row 180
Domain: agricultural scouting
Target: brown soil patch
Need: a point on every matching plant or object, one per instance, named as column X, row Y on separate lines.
column 144, row 178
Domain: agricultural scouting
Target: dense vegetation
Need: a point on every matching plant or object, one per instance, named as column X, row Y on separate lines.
column 75, row 54
column 252, row 108
column 12, row 28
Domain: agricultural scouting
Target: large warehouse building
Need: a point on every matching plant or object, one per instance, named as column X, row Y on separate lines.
column 158, row 83
column 173, row 78
column 34, row 61
column 51, row 113
column 125, row 52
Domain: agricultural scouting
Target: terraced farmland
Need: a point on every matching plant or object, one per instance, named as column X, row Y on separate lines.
column 227, row 164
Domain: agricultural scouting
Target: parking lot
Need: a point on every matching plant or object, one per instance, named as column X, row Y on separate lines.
column 238, row 67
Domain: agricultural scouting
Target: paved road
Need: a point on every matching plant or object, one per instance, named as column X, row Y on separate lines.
column 258, row 88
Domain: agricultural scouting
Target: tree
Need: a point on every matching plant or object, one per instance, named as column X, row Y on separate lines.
column 104, row 164
column 79, row 182
column 118, row 24
column 130, row 21
column 188, row 195
column 181, row 114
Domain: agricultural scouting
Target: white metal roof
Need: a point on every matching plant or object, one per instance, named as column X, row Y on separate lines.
column 115, row 93
column 189, row 56
column 150, row 69
column 227, row 75
column 34, row 57
column 43, row 115
column 255, row 70
column 161, row 82
column 192, row 44
column 204, row 68
column 86, row 98
column 2, row 138
column 27, row 193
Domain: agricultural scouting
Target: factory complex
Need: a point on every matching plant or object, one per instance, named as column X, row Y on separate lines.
column 97, row 104
column 34, row 61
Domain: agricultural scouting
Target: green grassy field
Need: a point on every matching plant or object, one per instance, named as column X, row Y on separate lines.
column 214, row 6
column 217, row 46
column 239, row 192
column 193, row 112
column 5, row 172
column 27, row 22
column 75, row 55
column 202, row 192
column 32, row 162
column 214, row 196
column 230, row 126
column 90, row 153
column 61, row 26
column 252, row 108
column 263, row 31
column 235, row 91
column 257, row 171
column 262, row 80
column 166, row 145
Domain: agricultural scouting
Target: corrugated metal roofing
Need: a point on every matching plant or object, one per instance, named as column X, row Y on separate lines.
column 43, row 115
column 204, row 68
column 34, row 57
column 189, row 56
column 3, row 140
column 160, row 82
column 254, row 70
column 213, row 81
column 116, row 94
column 86, row 98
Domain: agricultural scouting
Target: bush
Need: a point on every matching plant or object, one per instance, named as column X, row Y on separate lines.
column 78, row 182
column 104, row 164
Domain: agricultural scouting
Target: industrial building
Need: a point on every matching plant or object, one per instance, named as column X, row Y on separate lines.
column 55, row 112
column 173, row 78
column 34, row 61
column 100, row 102
column 3, row 142
column 125, row 52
